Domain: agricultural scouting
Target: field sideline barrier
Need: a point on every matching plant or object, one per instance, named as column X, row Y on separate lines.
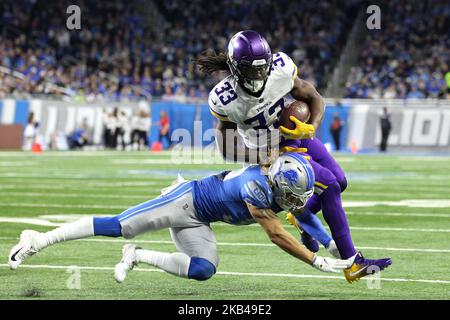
column 420, row 125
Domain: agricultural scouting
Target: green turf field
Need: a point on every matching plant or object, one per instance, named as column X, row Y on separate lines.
column 397, row 206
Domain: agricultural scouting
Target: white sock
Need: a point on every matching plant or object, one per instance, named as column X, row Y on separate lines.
column 332, row 248
column 79, row 229
column 174, row 263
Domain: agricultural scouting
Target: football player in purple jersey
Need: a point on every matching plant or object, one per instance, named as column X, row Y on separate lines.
column 249, row 99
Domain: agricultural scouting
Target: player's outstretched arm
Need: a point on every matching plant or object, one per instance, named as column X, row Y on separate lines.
column 305, row 91
column 270, row 222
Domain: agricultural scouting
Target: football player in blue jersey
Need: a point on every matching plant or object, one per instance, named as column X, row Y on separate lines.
column 249, row 100
column 251, row 195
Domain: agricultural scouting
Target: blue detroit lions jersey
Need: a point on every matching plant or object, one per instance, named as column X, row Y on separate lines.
column 224, row 196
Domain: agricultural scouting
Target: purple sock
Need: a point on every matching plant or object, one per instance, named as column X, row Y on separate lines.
column 337, row 221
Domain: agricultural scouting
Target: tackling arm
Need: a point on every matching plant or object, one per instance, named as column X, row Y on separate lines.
column 272, row 225
column 286, row 241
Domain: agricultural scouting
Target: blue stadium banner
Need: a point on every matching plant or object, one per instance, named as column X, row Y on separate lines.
column 324, row 133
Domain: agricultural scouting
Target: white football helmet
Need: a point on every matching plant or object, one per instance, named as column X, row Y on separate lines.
column 292, row 177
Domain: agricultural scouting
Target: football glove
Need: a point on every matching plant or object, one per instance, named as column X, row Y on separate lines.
column 330, row 264
column 302, row 130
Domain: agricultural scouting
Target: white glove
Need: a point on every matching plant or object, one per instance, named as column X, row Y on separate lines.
column 330, row 264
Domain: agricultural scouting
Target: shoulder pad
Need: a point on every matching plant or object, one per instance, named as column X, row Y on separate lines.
column 283, row 66
column 257, row 194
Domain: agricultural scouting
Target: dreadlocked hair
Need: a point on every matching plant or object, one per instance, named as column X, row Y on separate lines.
column 209, row 61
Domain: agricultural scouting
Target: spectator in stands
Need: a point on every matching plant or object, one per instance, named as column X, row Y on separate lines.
column 408, row 57
column 117, row 55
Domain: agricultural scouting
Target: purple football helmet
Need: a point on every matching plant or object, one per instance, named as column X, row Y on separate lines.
column 250, row 60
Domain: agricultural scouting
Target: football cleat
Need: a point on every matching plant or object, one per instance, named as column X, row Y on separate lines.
column 127, row 263
column 362, row 267
column 23, row 249
column 307, row 240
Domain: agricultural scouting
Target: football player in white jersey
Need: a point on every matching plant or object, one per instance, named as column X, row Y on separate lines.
column 250, row 99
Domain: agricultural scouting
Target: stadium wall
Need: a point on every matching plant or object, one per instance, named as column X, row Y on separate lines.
column 416, row 125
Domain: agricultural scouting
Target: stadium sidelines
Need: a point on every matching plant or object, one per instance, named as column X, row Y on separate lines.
column 247, row 244
column 244, row 274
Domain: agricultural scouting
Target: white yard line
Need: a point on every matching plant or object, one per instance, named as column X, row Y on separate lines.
column 357, row 228
column 248, row 244
column 438, row 203
column 29, row 177
column 143, row 197
column 244, row 274
column 31, row 221
column 74, row 195
column 53, row 205
column 397, row 214
column 77, row 154
column 77, row 185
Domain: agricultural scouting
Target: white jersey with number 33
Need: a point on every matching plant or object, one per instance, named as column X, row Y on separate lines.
column 254, row 116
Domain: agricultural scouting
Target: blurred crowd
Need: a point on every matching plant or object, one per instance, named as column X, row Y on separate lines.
column 312, row 33
column 119, row 55
column 409, row 57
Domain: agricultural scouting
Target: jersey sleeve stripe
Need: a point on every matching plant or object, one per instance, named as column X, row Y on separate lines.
column 295, row 72
column 218, row 115
column 321, row 185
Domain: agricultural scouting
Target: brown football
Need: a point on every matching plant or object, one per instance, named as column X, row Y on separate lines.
column 298, row 109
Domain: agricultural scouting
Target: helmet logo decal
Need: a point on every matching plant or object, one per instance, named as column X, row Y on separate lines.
column 291, row 176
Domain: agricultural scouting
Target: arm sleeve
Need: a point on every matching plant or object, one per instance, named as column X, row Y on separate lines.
column 257, row 194
column 216, row 108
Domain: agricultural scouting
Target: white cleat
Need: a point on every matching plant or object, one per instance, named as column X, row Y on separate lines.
column 23, row 249
column 127, row 263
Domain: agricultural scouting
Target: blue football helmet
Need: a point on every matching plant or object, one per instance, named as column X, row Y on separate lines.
column 292, row 178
